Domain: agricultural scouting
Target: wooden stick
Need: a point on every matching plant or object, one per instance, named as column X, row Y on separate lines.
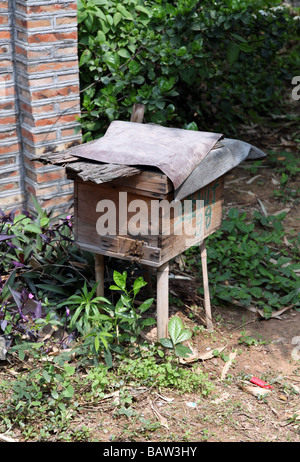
column 137, row 114
column 99, row 273
column 162, row 300
column 207, row 306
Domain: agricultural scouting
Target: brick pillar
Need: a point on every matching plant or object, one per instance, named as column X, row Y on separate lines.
column 47, row 88
column 11, row 186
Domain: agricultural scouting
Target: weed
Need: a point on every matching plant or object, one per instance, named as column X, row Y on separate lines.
column 178, row 334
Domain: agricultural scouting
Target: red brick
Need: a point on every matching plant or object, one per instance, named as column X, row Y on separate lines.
column 4, row 5
column 8, row 134
column 5, row 63
column 52, row 8
column 55, row 92
column 55, row 120
column 44, row 108
column 70, row 105
column 57, row 201
column 8, row 186
column 7, row 106
column 4, row 35
column 38, row 137
column 7, row 120
column 32, row 24
column 44, row 177
column 66, row 20
column 52, row 66
column 7, row 162
column 66, row 51
column 4, row 19
column 46, row 81
column 66, row 77
column 9, row 174
column 9, row 148
column 53, row 37
column 35, row 53
column 67, row 132
column 7, row 91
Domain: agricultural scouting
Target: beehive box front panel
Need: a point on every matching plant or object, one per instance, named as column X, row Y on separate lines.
column 109, row 221
column 124, row 220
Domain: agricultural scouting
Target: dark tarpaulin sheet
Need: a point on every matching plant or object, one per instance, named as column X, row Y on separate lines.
column 176, row 152
column 219, row 161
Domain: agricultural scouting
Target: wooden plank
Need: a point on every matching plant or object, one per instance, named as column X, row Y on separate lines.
column 99, row 173
column 147, row 181
column 153, row 260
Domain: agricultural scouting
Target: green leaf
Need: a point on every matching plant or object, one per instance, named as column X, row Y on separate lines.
column 124, row 53
column 166, row 342
column 138, row 284
column 124, row 12
column 185, row 334
column 85, row 57
column 233, row 51
column 120, row 279
column 68, row 392
column 117, row 18
column 182, row 351
column 175, row 327
column 146, row 305
column 54, row 394
column 144, row 10
column 33, row 228
column 46, row 376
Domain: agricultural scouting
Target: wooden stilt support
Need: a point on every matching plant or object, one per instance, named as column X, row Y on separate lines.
column 207, row 306
column 162, row 300
column 99, row 272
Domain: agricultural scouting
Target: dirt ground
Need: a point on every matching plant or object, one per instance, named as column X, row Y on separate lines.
column 237, row 410
column 231, row 413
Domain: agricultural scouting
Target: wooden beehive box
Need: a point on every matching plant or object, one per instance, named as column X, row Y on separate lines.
column 144, row 231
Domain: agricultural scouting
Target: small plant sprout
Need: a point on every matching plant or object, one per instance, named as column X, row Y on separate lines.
column 178, row 334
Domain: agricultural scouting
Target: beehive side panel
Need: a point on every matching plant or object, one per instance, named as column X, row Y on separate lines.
column 202, row 222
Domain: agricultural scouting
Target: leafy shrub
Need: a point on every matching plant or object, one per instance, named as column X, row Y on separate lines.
column 208, row 63
column 248, row 263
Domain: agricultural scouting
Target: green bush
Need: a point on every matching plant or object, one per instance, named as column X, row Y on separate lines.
column 249, row 265
column 208, row 63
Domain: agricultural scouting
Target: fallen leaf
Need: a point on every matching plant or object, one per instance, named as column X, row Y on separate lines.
column 256, row 391
column 211, row 353
column 7, row 439
column 162, row 419
column 165, row 398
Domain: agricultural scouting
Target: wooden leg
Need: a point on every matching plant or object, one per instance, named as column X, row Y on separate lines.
column 99, row 272
column 147, row 278
column 207, row 306
column 162, row 300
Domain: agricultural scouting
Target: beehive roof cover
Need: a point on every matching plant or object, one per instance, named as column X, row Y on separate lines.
column 176, row 152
